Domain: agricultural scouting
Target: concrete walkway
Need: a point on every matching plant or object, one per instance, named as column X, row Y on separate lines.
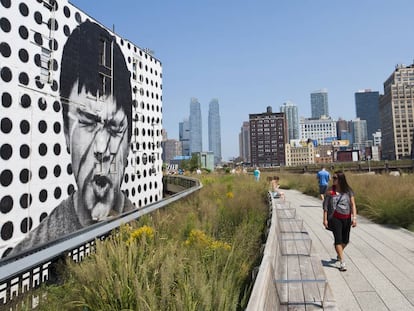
column 380, row 260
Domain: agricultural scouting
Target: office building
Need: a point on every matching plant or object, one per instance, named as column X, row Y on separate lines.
column 268, row 135
column 171, row 149
column 184, row 136
column 367, row 108
column 360, row 137
column 319, row 104
column 196, row 133
column 244, row 142
column 292, row 119
column 322, row 131
column 396, row 114
column 214, row 130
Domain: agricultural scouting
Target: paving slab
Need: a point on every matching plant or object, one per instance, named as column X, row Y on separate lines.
column 380, row 260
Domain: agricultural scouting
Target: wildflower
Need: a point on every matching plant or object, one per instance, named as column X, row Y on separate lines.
column 144, row 231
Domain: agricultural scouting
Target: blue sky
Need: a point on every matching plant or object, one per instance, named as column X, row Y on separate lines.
column 254, row 54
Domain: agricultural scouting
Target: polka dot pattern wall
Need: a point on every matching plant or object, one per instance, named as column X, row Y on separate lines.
column 35, row 164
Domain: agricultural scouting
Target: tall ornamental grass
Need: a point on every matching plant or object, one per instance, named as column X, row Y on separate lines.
column 196, row 254
column 384, row 199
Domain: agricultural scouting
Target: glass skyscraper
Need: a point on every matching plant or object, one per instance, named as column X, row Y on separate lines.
column 196, row 137
column 214, row 132
column 319, row 103
column 367, row 108
column 184, row 136
column 292, row 118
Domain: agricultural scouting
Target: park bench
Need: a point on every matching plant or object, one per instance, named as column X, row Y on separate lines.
column 299, row 276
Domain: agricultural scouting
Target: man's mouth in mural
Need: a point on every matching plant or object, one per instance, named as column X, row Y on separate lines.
column 101, row 185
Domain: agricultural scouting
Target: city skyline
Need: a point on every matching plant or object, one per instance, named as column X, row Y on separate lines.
column 257, row 54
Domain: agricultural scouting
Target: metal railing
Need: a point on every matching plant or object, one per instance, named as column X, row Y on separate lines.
column 28, row 270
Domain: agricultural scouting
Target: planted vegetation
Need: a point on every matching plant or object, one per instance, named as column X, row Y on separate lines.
column 197, row 254
column 384, row 199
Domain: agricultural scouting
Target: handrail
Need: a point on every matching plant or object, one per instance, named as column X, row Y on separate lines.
column 36, row 261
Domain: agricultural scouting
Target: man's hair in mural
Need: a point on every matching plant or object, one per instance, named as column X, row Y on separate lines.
column 82, row 61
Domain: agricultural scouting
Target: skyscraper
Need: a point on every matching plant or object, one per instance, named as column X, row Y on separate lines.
column 291, row 112
column 319, row 103
column 196, row 137
column 367, row 108
column 396, row 114
column 267, row 138
column 244, row 142
column 184, row 136
column 214, row 132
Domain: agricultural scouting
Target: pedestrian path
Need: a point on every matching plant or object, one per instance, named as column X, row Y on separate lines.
column 380, row 260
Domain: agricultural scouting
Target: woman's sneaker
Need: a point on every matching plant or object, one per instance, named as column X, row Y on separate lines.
column 342, row 266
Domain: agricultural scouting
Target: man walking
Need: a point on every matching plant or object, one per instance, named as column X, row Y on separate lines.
column 323, row 177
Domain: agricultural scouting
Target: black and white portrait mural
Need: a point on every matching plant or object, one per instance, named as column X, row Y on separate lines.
column 81, row 120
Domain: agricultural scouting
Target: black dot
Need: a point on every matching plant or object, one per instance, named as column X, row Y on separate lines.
column 24, row 151
column 5, row 24
column 6, row 204
column 43, row 195
column 25, row 175
column 25, row 101
column 66, row 30
column 56, row 106
column 38, row 17
column 66, row 11
column 42, row 103
column 25, row 200
column 24, row 10
column 42, row 216
column 53, row 45
column 52, row 24
column 6, row 74
column 23, row 55
column 5, row 50
column 56, row 149
column 78, row 17
column 24, row 127
column 39, row 83
column 54, row 86
column 57, row 170
column 6, row 178
column 69, row 169
column 6, row 100
column 6, row 125
column 23, row 78
column 132, row 177
column 24, row 34
column 56, row 127
column 37, row 60
column 127, row 192
column 133, row 191
column 57, row 193
column 42, row 126
column 126, row 178
column 42, row 149
column 26, row 224
column 6, row 151
column 7, row 231
column 6, row 3
column 71, row 189
column 42, row 172
column 38, row 38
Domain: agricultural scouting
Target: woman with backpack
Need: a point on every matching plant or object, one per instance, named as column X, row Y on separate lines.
column 339, row 214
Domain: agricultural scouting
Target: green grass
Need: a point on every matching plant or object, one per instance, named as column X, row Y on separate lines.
column 197, row 254
column 384, row 199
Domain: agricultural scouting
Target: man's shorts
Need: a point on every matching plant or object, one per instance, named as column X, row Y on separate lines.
column 322, row 189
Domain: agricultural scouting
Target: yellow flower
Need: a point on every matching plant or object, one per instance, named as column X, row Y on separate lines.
column 230, row 195
column 144, row 231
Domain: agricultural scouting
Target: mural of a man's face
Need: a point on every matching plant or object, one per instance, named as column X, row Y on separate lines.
column 97, row 137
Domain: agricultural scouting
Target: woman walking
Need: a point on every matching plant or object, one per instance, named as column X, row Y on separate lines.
column 339, row 214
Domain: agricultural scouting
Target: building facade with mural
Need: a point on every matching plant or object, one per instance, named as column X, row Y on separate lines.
column 81, row 122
